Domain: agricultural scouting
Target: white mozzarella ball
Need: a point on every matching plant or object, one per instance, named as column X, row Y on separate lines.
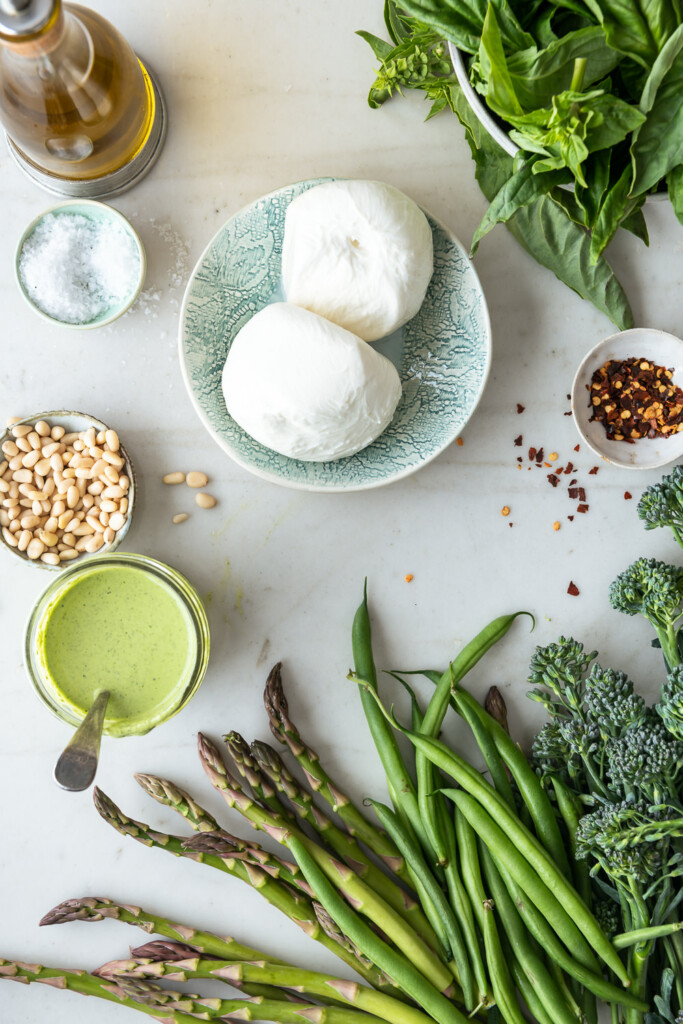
column 359, row 253
column 306, row 387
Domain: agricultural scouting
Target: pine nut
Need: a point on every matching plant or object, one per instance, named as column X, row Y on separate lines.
column 51, row 558
column 205, row 500
column 49, row 539
column 57, row 433
column 123, row 505
column 112, row 439
column 4, row 486
column 109, row 535
column 112, row 492
column 51, row 524
column 95, row 543
column 34, row 439
column 30, row 460
column 108, row 505
column 65, row 518
column 124, row 482
column 51, row 449
column 101, row 436
column 196, row 479
column 84, row 473
column 99, row 467
column 72, row 497
column 173, row 478
column 9, row 448
column 111, row 475
column 30, row 522
column 15, row 526
column 69, row 473
column 24, row 539
column 116, row 520
column 113, row 460
column 96, row 488
column 180, row 517
column 81, row 543
column 82, row 530
column 88, row 501
column 94, row 522
column 4, row 518
column 67, row 554
column 21, row 430
column 104, row 519
column 9, row 537
column 49, row 486
column 35, row 548
column 78, row 445
column 56, row 463
column 42, row 428
column 90, row 437
column 37, row 508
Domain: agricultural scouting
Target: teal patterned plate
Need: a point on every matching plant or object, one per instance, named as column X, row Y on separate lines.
column 442, row 354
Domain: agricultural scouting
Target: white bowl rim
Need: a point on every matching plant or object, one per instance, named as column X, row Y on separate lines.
column 6, row 434
column 315, row 488
column 593, row 356
column 116, row 215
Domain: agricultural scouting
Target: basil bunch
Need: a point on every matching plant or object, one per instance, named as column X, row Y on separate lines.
column 590, row 92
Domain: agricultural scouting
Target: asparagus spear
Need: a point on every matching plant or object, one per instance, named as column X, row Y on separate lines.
column 285, row 731
column 294, row 904
column 262, row 787
column 221, row 844
column 360, row 895
column 151, row 961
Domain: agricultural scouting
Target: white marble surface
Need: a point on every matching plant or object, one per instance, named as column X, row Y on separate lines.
column 259, row 95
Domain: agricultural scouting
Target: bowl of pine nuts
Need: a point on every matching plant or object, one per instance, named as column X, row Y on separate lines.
column 67, row 488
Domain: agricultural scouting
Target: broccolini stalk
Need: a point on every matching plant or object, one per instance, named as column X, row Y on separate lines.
column 653, row 589
column 661, row 505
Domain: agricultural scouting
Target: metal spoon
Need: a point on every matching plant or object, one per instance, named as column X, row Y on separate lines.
column 77, row 763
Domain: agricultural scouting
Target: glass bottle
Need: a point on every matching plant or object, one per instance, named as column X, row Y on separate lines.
column 82, row 114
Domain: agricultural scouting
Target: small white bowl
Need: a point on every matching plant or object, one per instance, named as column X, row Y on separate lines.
column 640, row 342
column 73, row 422
column 98, row 212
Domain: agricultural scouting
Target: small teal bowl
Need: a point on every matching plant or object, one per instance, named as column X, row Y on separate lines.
column 97, row 212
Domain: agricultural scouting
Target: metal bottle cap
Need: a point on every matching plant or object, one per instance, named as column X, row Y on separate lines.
column 24, row 17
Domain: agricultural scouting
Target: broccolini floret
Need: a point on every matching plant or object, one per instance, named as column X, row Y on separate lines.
column 653, row 589
column 553, row 755
column 561, row 668
column 645, row 761
column 670, row 708
column 662, row 504
column 611, row 702
column 612, row 836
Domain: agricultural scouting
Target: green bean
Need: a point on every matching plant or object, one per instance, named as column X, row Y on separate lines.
column 571, row 811
column 488, row 749
column 536, row 972
column 529, row 994
column 443, row 921
column 402, row 789
column 645, row 934
column 501, row 982
column 519, row 838
column 548, row 940
column 397, row 966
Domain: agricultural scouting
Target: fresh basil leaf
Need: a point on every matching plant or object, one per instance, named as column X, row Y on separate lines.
column 638, row 28
column 597, row 175
column 462, row 21
column 619, row 119
column 379, row 47
column 500, row 92
column 674, row 181
column 635, row 223
column 543, row 228
column 396, row 26
column 521, row 189
column 538, row 75
column 566, row 198
column 658, row 144
column 613, row 209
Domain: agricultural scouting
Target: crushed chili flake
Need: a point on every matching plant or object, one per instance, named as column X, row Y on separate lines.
column 567, row 413
column 553, row 480
column 569, row 468
column 532, row 454
column 520, row 408
column 582, row 508
column 553, row 456
column 519, row 459
column 556, row 525
column 593, row 471
column 459, row 441
column 577, row 447
column 539, row 455
column 548, row 465
column 573, row 493
column 409, row 577
column 518, row 441
column 627, row 495
column 582, row 494
column 505, row 511
column 573, row 589
column 635, row 398
column 570, row 518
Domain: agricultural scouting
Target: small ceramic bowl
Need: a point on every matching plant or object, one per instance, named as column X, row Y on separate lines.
column 96, row 212
column 72, row 422
column 641, row 342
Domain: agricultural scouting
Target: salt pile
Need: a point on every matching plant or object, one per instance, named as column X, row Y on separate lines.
column 76, row 269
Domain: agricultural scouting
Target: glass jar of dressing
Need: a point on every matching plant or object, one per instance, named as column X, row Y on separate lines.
column 121, row 622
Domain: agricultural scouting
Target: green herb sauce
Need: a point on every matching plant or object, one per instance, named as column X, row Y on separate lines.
column 122, row 629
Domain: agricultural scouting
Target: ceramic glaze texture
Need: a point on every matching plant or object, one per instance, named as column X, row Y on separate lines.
column 442, row 354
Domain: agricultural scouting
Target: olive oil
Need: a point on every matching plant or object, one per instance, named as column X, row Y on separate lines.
column 80, row 110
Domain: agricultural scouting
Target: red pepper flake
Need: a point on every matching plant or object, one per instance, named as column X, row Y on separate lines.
column 511, row 524
column 635, row 398
column 573, row 493
column 518, row 441
column 532, row 454
column 570, row 518
column 573, row 589
column 627, row 495
column 409, row 577
column 582, row 494
column 548, row 465
column 593, row 471
column 539, row 455
column 520, row 409
column 519, row 458
column 569, row 468
column 459, row 441
column 567, row 413
column 505, row 511
column 577, row 447
column 569, row 398
column 552, row 479
column 582, row 508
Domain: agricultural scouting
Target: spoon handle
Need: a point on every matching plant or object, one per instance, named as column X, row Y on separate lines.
column 77, row 763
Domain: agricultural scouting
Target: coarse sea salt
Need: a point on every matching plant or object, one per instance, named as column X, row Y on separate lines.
column 76, row 269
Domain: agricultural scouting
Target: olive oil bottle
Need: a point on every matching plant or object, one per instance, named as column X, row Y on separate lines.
column 82, row 114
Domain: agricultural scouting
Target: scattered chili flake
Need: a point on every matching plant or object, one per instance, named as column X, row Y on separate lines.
column 539, row 455
column 556, row 526
column 577, row 447
column 459, row 441
column 582, row 508
column 518, row 441
column 573, row 589
column 570, row 518
column 569, row 468
column 505, row 511
column 553, row 456
column 627, row 495
column 635, row 398
column 582, row 494
column 519, row 458
column 408, row 577
column 511, row 524
column 573, row 493
column 569, row 398
column 593, row 471
column 532, row 454
column 548, row 465
column 520, row 408
column 553, row 480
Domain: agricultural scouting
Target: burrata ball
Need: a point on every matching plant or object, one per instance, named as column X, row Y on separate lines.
column 359, row 253
column 306, row 387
